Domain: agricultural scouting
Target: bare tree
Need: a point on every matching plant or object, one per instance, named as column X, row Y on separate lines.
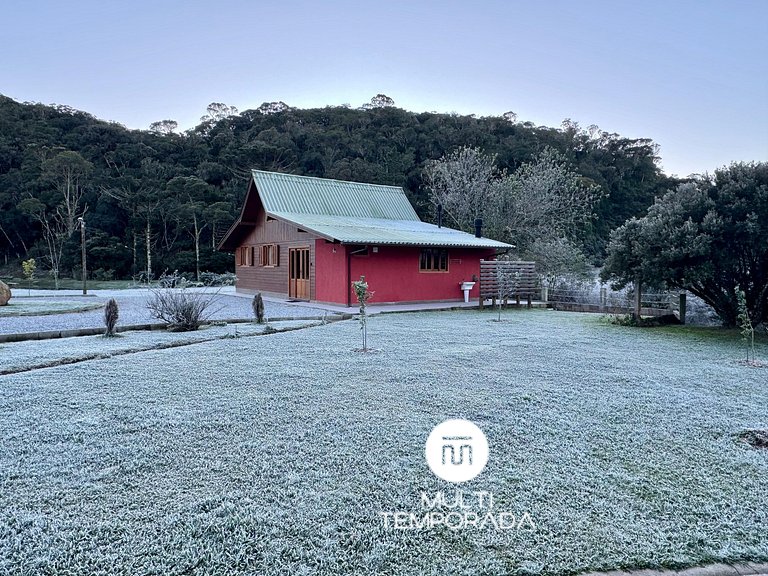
column 539, row 208
column 54, row 231
column 142, row 192
column 545, row 199
column 189, row 193
column 507, row 281
column 55, row 235
column 464, row 183
column 67, row 172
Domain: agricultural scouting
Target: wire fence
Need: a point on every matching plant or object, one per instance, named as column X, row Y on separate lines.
column 510, row 281
column 603, row 299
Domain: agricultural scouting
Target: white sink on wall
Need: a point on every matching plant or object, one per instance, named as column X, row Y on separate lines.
column 466, row 287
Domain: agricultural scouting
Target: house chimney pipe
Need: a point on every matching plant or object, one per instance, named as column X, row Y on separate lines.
column 478, row 227
column 439, row 215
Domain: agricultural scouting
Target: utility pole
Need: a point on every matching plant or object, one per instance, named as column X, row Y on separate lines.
column 82, row 252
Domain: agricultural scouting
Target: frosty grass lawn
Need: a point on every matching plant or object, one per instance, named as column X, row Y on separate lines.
column 276, row 454
column 30, row 307
column 31, row 354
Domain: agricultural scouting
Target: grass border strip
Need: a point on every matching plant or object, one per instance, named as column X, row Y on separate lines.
column 79, row 310
column 50, row 334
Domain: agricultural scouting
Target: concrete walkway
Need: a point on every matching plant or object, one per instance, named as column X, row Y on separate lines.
column 378, row 308
column 374, row 309
column 230, row 291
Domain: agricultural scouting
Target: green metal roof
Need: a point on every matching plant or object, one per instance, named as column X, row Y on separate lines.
column 348, row 212
column 287, row 193
column 352, row 230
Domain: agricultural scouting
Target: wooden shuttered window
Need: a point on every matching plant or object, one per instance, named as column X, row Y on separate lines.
column 270, row 255
column 433, row 260
column 245, row 255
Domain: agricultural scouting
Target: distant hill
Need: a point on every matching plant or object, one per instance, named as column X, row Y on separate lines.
column 133, row 180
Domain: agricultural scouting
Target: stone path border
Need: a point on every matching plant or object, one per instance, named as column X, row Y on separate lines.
column 742, row 569
column 47, row 335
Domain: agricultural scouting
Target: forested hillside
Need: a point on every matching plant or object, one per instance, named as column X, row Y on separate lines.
column 182, row 191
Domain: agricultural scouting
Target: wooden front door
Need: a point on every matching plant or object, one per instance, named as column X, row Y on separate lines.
column 298, row 273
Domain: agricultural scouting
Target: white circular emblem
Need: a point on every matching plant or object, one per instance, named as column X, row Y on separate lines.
column 456, row 450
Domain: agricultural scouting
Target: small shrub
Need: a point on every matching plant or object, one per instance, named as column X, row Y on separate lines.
column 213, row 279
column 652, row 322
column 622, row 319
column 269, row 329
column 142, row 278
column 111, row 314
column 258, row 308
column 181, row 309
column 102, row 274
column 171, row 280
column 699, row 313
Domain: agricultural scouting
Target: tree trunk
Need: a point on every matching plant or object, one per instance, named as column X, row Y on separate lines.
column 149, row 252
column 638, row 299
column 197, row 250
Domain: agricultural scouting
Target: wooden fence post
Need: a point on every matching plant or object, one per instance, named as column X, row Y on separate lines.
column 638, row 299
column 683, row 298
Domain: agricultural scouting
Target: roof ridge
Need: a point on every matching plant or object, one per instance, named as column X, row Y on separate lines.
column 324, row 179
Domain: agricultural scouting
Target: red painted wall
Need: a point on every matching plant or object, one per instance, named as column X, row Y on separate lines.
column 393, row 273
column 330, row 268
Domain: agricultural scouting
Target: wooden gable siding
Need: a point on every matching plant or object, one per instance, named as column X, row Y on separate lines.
column 258, row 278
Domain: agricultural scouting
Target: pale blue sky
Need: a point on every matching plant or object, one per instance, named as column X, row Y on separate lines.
column 691, row 75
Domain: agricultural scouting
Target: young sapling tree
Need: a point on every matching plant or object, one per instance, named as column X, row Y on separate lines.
column 363, row 295
column 745, row 323
column 29, row 268
column 507, row 280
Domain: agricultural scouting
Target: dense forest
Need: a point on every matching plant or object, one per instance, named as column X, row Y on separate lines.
column 153, row 199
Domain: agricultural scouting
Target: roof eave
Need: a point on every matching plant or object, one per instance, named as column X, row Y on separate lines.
column 427, row 244
column 223, row 245
column 303, row 226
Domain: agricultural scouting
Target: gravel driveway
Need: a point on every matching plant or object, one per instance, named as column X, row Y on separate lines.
column 133, row 310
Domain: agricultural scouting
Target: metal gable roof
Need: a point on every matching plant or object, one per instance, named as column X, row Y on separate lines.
column 352, row 230
column 307, row 195
column 347, row 212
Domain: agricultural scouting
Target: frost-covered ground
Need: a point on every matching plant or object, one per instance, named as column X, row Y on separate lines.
column 29, row 354
column 133, row 310
column 40, row 307
column 275, row 455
